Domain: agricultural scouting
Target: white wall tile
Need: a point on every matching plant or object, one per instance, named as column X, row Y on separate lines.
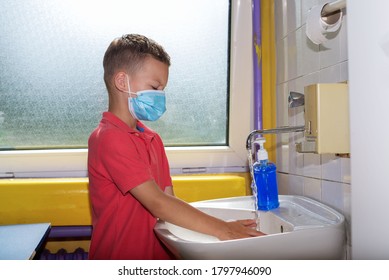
column 330, row 50
column 283, row 183
column 300, row 58
column 292, row 55
column 330, row 74
column 323, row 1
column 347, row 201
column 306, row 5
column 343, row 39
column 283, row 158
column 312, row 165
column 298, row 85
column 296, row 185
column 296, row 115
column 344, row 71
column 331, row 168
column 282, row 155
column 312, row 78
column 281, row 61
column 336, row 168
column 296, row 160
column 280, row 14
column 282, row 104
column 292, row 112
column 335, row 49
column 293, row 9
column 345, row 170
column 312, row 188
column 333, row 195
column 310, row 54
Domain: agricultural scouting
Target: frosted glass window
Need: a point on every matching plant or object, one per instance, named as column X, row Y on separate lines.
column 52, row 92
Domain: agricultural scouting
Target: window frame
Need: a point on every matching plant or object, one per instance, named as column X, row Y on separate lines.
column 209, row 159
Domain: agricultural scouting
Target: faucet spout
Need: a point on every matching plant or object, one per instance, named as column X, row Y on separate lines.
column 278, row 130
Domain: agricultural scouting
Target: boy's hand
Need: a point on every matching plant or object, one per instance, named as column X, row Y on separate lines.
column 175, row 211
column 240, row 229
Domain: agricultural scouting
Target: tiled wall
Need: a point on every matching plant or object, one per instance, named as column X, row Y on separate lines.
column 325, row 178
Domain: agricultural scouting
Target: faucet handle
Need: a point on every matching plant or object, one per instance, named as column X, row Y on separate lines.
column 295, row 99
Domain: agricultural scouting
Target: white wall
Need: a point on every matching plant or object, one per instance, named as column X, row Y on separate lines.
column 325, row 178
column 359, row 53
column 368, row 35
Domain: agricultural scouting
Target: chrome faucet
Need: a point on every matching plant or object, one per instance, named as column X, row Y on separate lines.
column 278, row 130
column 295, row 99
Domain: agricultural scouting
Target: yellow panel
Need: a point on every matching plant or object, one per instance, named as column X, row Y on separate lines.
column 268, row 75
column 66, row 202
column 195, row 188
column 58, row 201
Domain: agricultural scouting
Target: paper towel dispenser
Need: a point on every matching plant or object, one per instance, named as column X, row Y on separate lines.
column 326, row 119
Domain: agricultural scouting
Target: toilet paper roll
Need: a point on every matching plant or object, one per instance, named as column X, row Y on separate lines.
column 319, row 27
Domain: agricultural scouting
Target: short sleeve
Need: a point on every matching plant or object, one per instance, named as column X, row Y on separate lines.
column 123, row 162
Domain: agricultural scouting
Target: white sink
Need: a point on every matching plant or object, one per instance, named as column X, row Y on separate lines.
column 301, row 228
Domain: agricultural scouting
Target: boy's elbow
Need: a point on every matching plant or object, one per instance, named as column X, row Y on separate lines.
column 159, row 208
column 169, row 190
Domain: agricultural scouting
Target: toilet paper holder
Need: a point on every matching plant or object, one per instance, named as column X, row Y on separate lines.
column 333, row 7
column 323, row 20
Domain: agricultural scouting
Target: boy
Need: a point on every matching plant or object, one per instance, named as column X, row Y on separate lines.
column 129, row 181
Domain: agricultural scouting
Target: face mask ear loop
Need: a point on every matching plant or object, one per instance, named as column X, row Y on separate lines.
column 128, row 86
column 130, row 93
column 130, row 108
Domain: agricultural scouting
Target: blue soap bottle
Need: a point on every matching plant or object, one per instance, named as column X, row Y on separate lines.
column 265, row 179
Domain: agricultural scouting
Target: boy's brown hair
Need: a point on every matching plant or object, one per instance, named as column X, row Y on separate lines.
column 128, row 53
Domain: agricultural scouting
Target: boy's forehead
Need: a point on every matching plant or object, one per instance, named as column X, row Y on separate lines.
column 155, row 69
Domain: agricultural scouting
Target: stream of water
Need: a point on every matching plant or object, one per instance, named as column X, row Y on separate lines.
column 253, row 185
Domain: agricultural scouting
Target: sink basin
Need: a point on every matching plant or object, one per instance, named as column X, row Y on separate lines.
column 301, row 228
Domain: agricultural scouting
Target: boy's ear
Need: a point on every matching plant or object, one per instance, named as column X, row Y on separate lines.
column 121, row 81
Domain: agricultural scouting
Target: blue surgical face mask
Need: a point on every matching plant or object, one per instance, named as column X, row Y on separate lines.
column 149, row 105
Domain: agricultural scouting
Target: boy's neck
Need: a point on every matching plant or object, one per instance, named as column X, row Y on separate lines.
column 125, row 116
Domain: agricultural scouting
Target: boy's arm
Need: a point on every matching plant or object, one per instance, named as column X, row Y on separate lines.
column 178, row 212
column 169, row 190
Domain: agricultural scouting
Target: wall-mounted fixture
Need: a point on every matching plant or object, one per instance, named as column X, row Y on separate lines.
column 326, row 119
column 333, row 7
column 326, row 114
column 324, row 20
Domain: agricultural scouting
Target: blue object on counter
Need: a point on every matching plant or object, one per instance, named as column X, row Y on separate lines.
column 265, row 178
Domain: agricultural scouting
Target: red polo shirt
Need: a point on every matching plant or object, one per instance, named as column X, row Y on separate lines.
column 119, row 159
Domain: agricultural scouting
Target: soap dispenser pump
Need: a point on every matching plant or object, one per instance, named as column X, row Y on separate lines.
column 265, row 179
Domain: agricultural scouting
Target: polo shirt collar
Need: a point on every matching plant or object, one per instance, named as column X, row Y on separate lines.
column 113, row 119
